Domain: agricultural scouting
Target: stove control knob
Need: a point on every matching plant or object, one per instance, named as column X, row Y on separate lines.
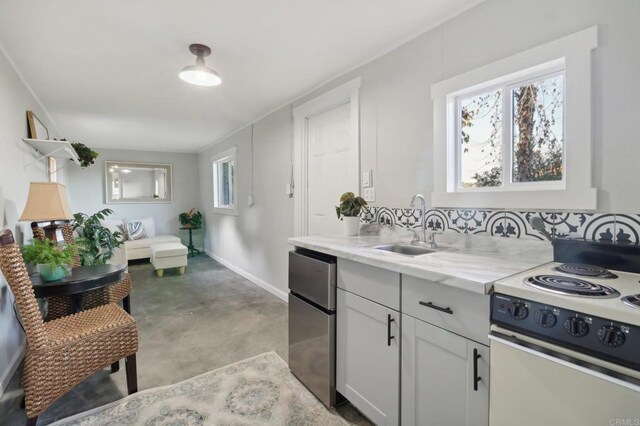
column 576, row 326
column 518, row 311
column 611, row 335
column 545, row 318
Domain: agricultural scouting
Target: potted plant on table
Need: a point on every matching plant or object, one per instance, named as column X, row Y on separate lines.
column 191, row 219
column 95, row 243
column 349, row 212
column 53, row 261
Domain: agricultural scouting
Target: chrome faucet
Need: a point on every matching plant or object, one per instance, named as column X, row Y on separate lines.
column 422, row 238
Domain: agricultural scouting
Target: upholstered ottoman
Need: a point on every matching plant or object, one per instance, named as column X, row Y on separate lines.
column 168, row 255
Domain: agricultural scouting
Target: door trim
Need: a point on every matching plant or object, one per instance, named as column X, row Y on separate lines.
column 341, row 95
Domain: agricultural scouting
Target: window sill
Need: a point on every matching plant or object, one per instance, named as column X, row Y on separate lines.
column 229, row 211
column 567, row 199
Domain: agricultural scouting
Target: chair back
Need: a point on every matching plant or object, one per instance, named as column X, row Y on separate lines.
column 15, row 272
column 38, row 233
column 67, row 236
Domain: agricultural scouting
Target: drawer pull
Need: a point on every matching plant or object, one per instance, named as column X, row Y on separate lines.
column 389, row 336
column 446, row 310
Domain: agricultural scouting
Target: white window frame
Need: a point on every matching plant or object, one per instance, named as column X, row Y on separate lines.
column 570, row 55
column 222, row 157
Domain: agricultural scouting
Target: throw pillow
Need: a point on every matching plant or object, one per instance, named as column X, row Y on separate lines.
column 136, row 231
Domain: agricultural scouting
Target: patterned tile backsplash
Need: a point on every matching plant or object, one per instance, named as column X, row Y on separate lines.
column 622, row 228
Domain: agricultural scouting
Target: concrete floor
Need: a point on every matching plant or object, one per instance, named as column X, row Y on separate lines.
column 188, row 324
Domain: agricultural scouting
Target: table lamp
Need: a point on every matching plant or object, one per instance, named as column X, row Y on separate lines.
column 47, row 202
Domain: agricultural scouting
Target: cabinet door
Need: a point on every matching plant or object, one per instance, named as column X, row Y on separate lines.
column 367, row 361
column 438, row 375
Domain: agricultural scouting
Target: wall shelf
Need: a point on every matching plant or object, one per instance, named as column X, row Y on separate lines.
column 51, row 148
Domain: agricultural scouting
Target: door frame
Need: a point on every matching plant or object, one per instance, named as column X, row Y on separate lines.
column 341, row 95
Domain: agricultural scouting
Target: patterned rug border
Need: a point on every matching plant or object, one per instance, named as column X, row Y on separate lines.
column 159, row 388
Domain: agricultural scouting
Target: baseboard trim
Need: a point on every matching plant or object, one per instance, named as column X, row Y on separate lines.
column 13, row 366
column 257, row 281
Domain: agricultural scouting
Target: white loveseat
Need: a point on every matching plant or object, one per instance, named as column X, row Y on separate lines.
column 136, row 249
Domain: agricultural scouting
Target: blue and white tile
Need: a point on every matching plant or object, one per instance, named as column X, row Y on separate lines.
column 468, row 221
column 518, row 225
column 385, row 216
column 368, row 215
column 590, row 226
column 627, row 229
column 437, row 220
column 407, row 218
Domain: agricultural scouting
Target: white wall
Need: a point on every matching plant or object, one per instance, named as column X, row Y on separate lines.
column 87, row 188
column 15, row 100
column 256, row 239
column 397, row 125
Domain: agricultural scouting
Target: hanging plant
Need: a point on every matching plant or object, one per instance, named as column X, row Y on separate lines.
column 86, row 155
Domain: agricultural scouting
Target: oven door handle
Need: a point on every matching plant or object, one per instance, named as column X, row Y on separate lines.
column 567, row 360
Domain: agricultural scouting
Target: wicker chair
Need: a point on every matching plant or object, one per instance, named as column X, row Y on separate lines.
column 63, row 352
column 60, row 306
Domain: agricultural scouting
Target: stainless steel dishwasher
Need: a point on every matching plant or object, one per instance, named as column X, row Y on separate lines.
column 312, row 322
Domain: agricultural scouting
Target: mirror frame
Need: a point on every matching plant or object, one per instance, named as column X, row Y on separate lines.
column 107, row 195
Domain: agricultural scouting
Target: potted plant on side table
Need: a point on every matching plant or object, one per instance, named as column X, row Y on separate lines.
column 349, row 212
column 191, row 219
column 53, row 261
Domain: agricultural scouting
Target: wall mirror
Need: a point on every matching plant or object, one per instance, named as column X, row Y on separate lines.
column 138, row 182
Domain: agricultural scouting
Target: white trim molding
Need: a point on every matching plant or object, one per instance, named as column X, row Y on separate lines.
column 257, row 281
column 12, row 367
column 571, row 53
column 347, row 93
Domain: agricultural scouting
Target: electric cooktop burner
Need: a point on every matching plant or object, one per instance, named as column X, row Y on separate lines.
column 582, row 269
column 570, row 286
column 632, row 300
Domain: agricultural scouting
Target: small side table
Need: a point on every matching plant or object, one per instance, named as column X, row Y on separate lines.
column 192, row 249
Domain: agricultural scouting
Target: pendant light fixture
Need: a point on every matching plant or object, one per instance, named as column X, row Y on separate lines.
column 199, row 74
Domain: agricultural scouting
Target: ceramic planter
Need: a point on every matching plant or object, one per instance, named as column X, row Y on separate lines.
column 351, row 225
column 47, row 273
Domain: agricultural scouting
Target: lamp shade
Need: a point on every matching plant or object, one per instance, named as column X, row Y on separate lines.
column 46, row 202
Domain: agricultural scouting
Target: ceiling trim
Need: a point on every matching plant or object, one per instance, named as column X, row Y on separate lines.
column 347, row 71
column 28, row 86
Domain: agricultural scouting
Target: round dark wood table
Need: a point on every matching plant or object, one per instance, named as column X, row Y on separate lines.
column 81, row 280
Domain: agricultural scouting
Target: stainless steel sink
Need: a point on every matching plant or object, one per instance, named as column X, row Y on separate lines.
column 408, row 249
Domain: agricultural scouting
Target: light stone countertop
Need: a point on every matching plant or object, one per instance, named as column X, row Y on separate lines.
column 474, row 263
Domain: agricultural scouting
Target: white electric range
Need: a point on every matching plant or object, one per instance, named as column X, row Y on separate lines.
column 565, row 341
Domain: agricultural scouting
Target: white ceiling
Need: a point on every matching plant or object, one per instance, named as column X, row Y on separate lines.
column 107, row 71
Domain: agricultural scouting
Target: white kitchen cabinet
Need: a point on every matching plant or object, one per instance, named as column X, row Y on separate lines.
column 368, row 357
column 439, row 369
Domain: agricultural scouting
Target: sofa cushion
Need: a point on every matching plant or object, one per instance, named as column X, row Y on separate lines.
column 148, row 242
column 148, row 224
column 168, row 250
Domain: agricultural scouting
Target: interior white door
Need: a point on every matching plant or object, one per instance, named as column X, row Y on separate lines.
column 332, row 166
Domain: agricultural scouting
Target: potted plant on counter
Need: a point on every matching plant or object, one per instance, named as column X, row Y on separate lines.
column 349, row 212
column 191, row 219
column 53, row 261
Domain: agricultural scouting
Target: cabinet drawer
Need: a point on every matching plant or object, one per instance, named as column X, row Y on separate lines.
column 380, row 285
column 456, row 310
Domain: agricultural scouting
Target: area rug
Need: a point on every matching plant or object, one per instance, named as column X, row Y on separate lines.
column 256, row 391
